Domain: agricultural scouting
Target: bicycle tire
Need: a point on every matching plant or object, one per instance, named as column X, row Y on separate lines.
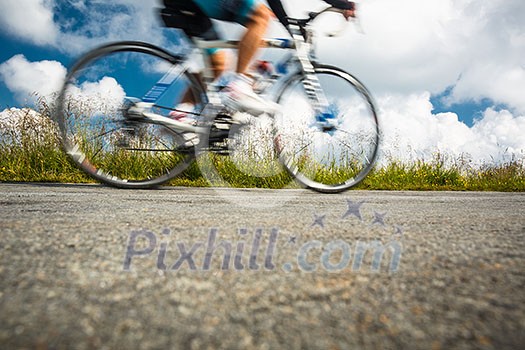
column 96, row 133
column 331, row 168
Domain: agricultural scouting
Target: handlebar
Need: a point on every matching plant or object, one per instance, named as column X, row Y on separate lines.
column 313, row 15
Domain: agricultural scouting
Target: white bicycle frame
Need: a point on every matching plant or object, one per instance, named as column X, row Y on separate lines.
column 302, row 53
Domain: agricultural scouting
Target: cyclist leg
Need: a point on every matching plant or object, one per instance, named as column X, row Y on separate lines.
column 199, row 25
column 252, row 14
column 251, row 41
column 187, row 103
column 189, row 16
column 255, row 16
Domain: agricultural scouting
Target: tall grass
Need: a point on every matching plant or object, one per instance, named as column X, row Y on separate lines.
column 435, row 175
column 30, row 151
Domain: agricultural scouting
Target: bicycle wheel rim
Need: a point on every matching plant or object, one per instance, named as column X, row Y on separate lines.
column 97, row 134
column 328, row 161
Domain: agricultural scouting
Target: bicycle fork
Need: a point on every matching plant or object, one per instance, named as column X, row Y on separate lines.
column 325, row 120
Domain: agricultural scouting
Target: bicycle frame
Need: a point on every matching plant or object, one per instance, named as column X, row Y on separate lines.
column 157, row 91
column 301, row 44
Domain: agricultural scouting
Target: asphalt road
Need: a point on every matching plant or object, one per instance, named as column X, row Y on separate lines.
column 94, row 267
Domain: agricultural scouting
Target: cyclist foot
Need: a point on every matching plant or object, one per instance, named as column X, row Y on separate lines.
column 183, row 114
column 239, row 95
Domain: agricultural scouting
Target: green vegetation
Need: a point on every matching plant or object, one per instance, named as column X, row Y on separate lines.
column 30, row 151
column 436, row 176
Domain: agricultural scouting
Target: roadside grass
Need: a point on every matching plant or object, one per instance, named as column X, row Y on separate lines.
column 435, row 176
column 30, row 152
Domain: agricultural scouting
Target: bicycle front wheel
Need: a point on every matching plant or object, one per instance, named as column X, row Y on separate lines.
column 334, row 160
column 98, row 131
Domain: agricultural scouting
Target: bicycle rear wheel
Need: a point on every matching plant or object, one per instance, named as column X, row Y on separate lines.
column 103, row 138
column 327, row 161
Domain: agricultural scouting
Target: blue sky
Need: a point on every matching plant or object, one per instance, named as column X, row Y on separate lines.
column 11, row 47
column 447, row 74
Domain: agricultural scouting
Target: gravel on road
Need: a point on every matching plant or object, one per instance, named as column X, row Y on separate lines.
column 87, row 266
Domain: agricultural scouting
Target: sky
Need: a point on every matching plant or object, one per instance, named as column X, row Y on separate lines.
column 448, row 76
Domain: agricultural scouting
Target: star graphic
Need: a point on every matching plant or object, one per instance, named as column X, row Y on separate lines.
column 354, row 208
column 398, row 230
column 319, row 220
column 379, row 218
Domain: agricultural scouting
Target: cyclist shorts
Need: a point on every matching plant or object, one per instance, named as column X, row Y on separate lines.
column 199, row 24
column 238, row 11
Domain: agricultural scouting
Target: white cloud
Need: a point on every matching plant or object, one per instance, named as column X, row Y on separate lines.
column 44, row 23
column 501, row 83
column 31, row 20
column 503, row 129
column 411, row 131
column 115, row 21
column 411, row 46
column 25, row 78
column 102, row 96
column 411, row 49
column 45, row 78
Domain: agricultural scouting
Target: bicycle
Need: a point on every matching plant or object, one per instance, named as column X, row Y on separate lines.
column 325, row 136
